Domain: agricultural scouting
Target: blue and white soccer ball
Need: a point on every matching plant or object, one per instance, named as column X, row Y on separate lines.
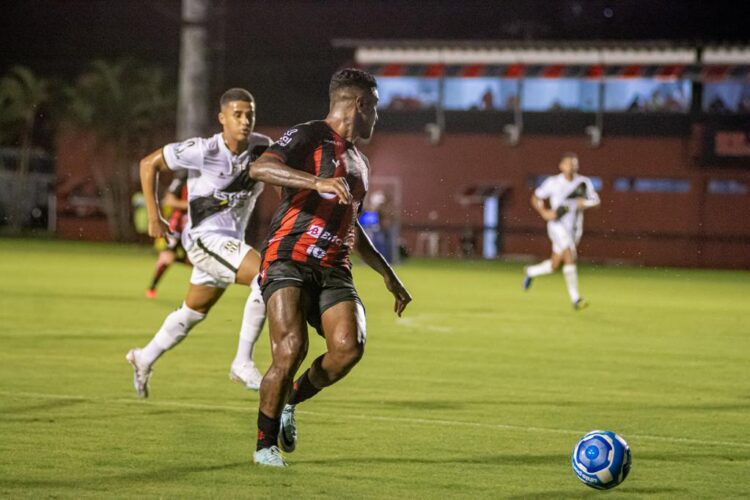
column 601, row 459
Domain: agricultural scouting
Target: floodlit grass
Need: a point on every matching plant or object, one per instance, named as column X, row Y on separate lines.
column 481, row 390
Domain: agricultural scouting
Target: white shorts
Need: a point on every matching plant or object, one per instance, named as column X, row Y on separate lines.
column 216, row 259
column 562, row 238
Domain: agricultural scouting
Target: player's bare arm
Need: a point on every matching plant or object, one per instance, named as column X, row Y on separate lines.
column 376, row 261
column 271, row 170
column 150, row 167
column 169, row 200
column 538, row 205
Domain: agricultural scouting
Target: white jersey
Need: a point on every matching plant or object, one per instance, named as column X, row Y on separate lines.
column 221, row 194
column 562, row 195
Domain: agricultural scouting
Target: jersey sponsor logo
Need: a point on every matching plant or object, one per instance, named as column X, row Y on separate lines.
column 316, row 252
column 321, row 234
column 285, row 139
column 231, row 200
column 315, row 231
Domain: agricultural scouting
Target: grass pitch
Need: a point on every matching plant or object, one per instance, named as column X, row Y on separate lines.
column 481, row 390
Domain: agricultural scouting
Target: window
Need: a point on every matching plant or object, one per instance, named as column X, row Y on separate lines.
column 480, row 93
column 407, row 93
column 642, row 94
column 726, row 186
column 726, row 97
column 559, row 94
column 651, row 185
column 621, row 184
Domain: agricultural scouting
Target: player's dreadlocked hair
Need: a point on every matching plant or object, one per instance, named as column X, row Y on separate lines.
column 351, row 77
column 235, row 94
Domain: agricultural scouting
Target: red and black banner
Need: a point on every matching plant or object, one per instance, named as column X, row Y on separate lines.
column 697, row 72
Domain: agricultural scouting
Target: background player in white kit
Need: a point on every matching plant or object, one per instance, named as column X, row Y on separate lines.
column 569, row 194
column 221, row 197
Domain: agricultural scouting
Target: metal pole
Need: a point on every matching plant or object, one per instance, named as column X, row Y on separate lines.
column 192, row 107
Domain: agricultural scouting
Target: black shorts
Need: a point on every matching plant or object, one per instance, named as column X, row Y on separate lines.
column 324, row 287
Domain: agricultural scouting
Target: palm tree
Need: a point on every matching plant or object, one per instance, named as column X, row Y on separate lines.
column 123, row 105
column 22, row 94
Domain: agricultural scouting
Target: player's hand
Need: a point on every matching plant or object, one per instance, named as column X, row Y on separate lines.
column 581, row 203
column 158, row 228
column 549, row 215
column 334, row 186
column 394, row 285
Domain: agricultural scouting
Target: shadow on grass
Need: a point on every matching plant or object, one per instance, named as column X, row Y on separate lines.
column 68, row 295
column 450, row 404
column 503, row 459
column 106, row 482
column 720, row 454
column 54, row 404
column 584, row 493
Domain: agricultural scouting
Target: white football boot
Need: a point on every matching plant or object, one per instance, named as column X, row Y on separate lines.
column 246, row 374
column 270, row 457
column 141, row 374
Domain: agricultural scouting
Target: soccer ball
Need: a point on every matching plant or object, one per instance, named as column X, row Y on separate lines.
column 601, row 459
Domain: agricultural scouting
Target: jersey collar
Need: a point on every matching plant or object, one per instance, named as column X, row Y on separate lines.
column 235, row 160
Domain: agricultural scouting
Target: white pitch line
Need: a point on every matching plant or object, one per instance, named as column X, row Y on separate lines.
column 403, row 420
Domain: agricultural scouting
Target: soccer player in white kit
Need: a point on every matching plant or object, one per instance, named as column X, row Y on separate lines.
column 221, row 197
column 569, row 194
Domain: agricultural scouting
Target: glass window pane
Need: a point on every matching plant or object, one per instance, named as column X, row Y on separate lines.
column 727, row 186
column 407, row 93
column 621, row 184
column 559, row 94
column 480, row 93
column 643, row 94
column 725, row 97
column 653, row 185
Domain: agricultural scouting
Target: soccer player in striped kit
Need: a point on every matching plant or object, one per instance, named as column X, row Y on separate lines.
column 305, row 271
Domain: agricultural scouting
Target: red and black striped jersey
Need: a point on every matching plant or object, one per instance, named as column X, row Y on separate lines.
column 178, row 188
column 310, row 227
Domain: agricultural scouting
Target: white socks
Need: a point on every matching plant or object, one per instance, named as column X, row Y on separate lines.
column 540, row 269
column 570, row 271
column 252, row 324
column 176, row 326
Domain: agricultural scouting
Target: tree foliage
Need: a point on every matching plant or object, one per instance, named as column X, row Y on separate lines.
column 124, row 105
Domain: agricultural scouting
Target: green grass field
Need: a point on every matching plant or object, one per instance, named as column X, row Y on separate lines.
column 479, row 391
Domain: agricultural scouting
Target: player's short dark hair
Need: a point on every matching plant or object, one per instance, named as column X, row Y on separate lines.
column 569, row 155
column 235, row 94
column 351, row 77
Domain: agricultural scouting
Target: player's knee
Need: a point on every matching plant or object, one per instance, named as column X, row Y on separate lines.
column 290, row 352
column 348, row 351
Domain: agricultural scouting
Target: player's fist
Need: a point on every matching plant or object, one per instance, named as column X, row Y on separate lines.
column 333, row 187
column 394, row 285
column 157, row 228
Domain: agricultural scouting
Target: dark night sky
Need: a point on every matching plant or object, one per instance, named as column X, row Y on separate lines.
column 281, row 49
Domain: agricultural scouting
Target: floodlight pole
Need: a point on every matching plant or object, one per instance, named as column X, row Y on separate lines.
column 192, row 105
column 514, row 130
